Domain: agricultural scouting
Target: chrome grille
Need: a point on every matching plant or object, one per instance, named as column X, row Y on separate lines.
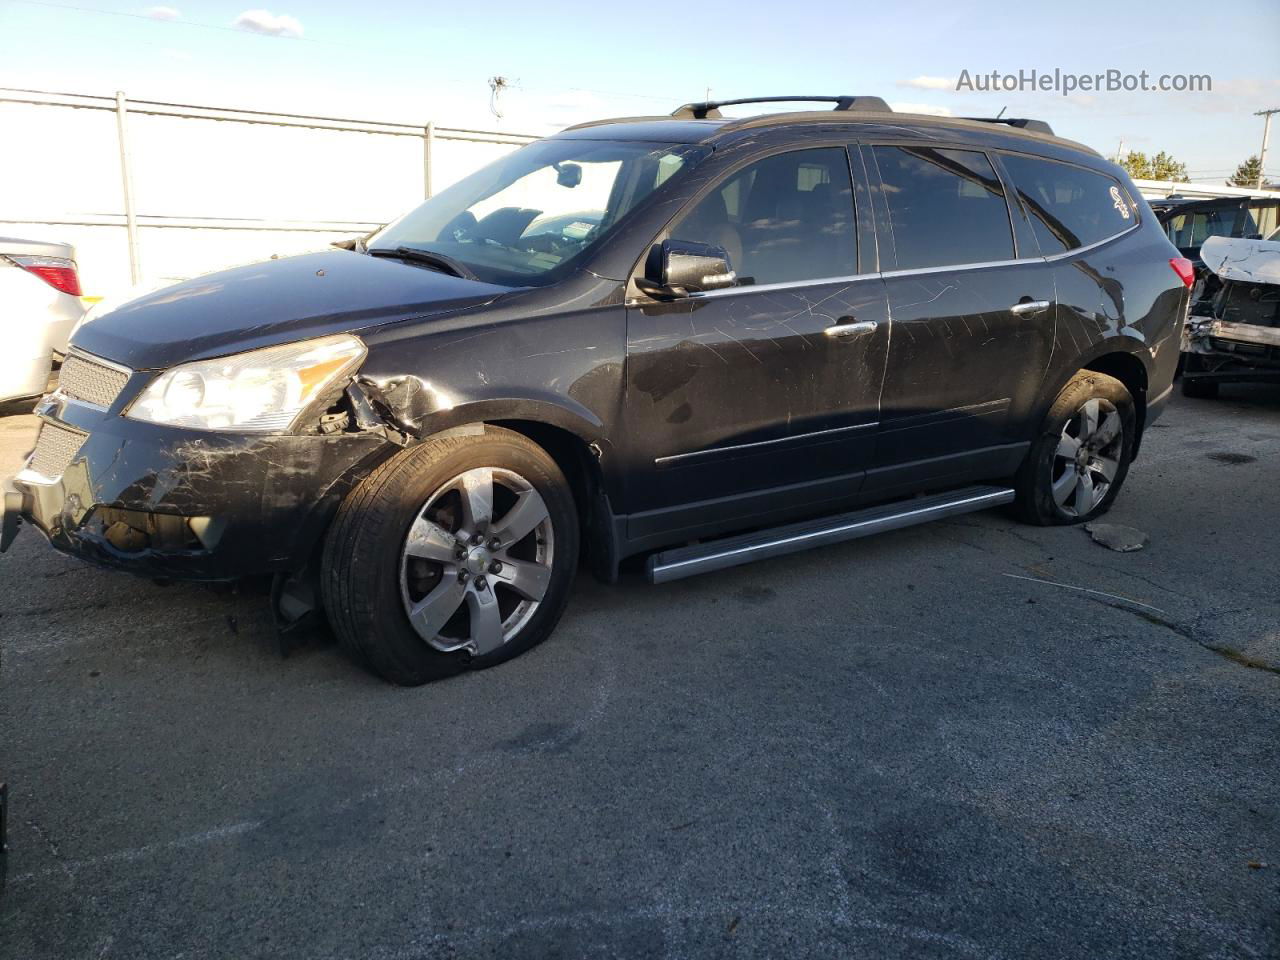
column 56, row 447
column 85, row 378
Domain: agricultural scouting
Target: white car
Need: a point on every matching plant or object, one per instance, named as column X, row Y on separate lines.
column 40, row 303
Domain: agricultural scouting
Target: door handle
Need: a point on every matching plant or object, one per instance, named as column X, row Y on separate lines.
column 848, row 327
column 1029, row 306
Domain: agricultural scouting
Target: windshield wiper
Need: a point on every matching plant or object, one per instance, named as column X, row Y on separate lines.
column 427, row 258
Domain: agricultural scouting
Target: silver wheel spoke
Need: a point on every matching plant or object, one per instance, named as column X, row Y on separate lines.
column 1086, row 495
column 1068, row 446
column 1089, row 418
column 1110, row 428
column 472, row 565
column 530, row 580
column 1105, row 467
column 431, row 613
column 1064, row 486
column 430, row 541
column 477, row 498
column 521, row 519
column 486, row 621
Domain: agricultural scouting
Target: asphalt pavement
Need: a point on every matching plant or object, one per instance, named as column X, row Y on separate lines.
column 971, row 739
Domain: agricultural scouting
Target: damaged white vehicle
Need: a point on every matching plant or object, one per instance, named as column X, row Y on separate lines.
column 1233, row 331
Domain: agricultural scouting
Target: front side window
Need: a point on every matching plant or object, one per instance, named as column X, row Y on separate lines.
column 783, row 219
column 1070, row 206
column 946, row 206
column 521, row 218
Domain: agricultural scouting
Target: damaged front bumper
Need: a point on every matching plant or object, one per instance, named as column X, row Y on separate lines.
column 1228, row 350
column 184, row 504
column 1233, row 332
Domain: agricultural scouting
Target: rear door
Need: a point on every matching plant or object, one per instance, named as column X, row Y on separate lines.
column 762, row 396
column 973, row 310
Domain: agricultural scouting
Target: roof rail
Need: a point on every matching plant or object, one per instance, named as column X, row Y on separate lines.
column 710, row 109
column 1022, row 123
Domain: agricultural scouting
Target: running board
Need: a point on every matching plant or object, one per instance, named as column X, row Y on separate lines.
column 792, row 538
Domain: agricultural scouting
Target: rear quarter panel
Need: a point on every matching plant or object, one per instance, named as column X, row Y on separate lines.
column 1120, row 297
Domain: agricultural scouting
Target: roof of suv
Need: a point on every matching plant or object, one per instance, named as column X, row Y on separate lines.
column 703, row 122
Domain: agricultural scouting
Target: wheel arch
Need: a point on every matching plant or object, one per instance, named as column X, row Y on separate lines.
column 1129, row 369
column 1121, row 357
column 577, row 448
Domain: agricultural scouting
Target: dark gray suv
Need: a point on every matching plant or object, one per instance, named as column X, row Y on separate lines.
column 725, row 339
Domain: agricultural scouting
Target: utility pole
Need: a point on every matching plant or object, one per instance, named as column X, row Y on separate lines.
column 1266, row 135
column 1119, row 150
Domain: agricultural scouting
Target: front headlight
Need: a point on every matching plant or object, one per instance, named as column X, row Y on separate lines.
column 262, row 391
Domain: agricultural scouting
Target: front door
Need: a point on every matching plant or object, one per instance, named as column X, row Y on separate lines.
column 973, row 317
column 763, row 396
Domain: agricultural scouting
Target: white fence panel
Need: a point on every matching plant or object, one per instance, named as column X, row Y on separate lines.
column 213, row 187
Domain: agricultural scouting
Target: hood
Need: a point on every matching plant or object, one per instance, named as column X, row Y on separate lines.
column 1249, row 261
column 277, row 301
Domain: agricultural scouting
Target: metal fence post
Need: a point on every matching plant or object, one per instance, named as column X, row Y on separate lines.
column 126, row 176
column 428, row 143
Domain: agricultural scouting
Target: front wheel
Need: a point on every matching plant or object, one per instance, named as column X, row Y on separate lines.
column 456, row 554
column 1080, row 458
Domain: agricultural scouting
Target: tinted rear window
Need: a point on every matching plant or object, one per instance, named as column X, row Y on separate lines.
column 946, row 206
column 1069, row 206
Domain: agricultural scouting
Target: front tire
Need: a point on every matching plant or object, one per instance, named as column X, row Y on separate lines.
column 455, row 554
column 1081, row 456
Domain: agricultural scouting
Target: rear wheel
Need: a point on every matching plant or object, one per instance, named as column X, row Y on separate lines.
column 1079, row 461
column 456, row 554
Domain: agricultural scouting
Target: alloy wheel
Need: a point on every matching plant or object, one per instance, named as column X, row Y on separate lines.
column 476, row 562
column 1087, row 459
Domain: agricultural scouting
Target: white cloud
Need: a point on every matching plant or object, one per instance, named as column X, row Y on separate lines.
column 163, row 13
column 271, row 24
column 925, row 82
column 925, row 108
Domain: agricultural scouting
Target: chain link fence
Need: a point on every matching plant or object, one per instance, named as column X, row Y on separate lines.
column 150, row 192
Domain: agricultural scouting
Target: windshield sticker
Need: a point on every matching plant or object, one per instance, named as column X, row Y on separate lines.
column 1119, row 202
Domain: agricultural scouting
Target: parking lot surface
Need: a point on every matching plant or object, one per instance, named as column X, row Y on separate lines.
column 971, row 739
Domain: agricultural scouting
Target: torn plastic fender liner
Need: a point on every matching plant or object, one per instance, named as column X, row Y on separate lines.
column 405, row 402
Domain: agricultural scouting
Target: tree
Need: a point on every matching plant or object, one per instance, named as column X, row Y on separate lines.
column 1160, row 167
column 1247, row 174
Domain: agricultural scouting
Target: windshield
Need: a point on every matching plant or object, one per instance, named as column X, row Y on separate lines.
column 522, row 218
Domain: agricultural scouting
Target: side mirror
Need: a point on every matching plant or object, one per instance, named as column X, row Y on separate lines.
column 680, row 267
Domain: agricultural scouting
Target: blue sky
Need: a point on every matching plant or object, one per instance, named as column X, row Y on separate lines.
column 397, row 60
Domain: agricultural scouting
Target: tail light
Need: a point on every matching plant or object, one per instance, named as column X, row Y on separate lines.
column 57, row 272
column 1185, row 270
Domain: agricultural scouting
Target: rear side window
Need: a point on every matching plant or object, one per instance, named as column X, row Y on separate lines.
column 1070, row 206
column 946, row 206
column 1260, row 220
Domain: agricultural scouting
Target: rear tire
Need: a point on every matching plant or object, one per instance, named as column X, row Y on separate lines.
column 1081, row 456
column 425, row 574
